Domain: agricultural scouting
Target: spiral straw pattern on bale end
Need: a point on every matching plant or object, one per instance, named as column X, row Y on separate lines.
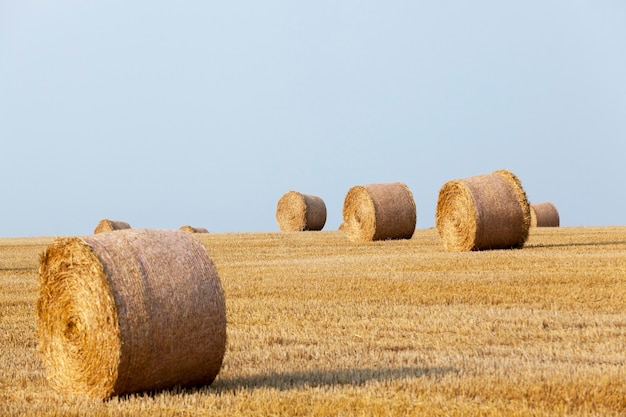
column 544, row 215
column 191, row 229
column 379, row 211
column 136, row 310
column 106, row 225
column 488, row 211
column 296, row 212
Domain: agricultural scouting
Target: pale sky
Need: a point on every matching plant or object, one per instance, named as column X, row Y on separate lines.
column 163, row 114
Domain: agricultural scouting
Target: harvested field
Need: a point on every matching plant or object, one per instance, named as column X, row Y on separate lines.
column 320, row 325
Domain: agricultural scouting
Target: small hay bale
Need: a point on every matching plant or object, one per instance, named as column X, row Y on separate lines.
column 296, row 212
column 488, row 211
column 191, row 229
column 106, row 225
column 136, row 310
column 379, row 211
column 544, row 215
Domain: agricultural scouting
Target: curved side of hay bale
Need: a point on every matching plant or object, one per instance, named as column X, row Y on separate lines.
column 130, row 311
column 379, row 211
column 191, row 229
column 544, row 215
column 296, row 212
column 106, row 225
column 488, row 211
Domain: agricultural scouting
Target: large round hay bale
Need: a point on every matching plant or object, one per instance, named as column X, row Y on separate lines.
column 544, row 215
column 296, row 212
column 136, row 310
column 488, row 211
column 191, row 229
column 379, row 211
column 106, row 225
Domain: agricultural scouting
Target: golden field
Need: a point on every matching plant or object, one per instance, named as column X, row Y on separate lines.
column 319, row 325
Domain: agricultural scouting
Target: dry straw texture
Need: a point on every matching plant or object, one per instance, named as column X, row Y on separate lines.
column 129, row 311
column 191, row 229
column 544, row 215
column 488, row 211
column 296, row 212
column 379, row 211
column 319, row 326
column 106, row 225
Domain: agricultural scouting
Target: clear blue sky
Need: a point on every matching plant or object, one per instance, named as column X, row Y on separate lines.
column 163, row 114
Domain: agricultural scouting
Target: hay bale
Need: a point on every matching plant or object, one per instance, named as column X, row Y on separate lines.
column 544, row 215
column 296, row 212
column 488, row 211
column 190, row 229
column 379, row 211
column 106, row 225
column 130, row 311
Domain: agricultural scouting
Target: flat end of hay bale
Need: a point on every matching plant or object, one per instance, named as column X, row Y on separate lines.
column 77, row 324
column 297, row 212
column 106, row 225
column 456, row 217
column 359, row 214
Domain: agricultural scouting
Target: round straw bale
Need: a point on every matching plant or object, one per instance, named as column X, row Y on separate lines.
column 136, row 310
column 379, row 211
column 296, row 212
column 488, row 211
column 106, row 225
column 544, row 215
column 191, row 229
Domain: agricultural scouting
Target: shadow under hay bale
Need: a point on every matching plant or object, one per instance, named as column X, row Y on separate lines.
column 296, row 212
column 488, row 211
column 106, row 225
column 191, row 229
column 136, row 310
column 544, row 215
column 379, row 212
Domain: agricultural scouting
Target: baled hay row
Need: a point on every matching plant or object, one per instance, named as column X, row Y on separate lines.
column 544, row 215
column 130, row 311
column 296, row 212
column 106, row 225
column 379, row 211
column 488, row 211
column 191, row 229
